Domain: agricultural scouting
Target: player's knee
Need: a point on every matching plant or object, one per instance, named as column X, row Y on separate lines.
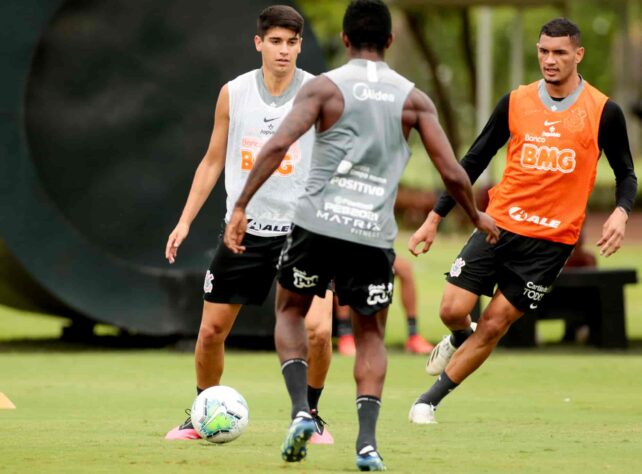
column 319, row 336
column 403, row 268
column 491, row 330
column 212, row 334
column 452, row 313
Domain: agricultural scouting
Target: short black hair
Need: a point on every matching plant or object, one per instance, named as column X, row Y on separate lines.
column 367, row 24
column 562, row 27
column 279, row 16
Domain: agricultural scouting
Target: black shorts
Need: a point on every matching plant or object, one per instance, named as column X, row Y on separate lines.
column 244, row 278
column 523, row 268
column 363, row 275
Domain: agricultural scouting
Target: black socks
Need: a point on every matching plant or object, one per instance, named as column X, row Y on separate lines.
column 295, row 373
column 412, row 325
column 368, row 412
column 457, row 338
column 313, row 397
column 442, row 387
column 344, row 327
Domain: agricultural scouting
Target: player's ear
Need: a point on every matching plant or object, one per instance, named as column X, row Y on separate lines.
column 579, row 55
column 258, row 43
column 344, row 39
column 389, row 41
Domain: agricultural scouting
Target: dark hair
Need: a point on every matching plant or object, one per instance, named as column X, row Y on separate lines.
column 279, row 16
column 562, row 27
column 367, row 24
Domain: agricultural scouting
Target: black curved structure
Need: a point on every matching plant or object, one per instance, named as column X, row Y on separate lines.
column 107, row 108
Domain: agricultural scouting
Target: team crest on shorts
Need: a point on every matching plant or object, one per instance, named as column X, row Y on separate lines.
column 379, row 294
column 302, row 280
column 207, row 285
column 455, row 269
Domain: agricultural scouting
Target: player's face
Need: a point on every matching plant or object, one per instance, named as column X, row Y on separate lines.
column 279, row 49
column 558, row 58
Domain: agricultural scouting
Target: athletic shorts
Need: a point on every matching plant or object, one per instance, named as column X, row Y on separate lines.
column 363, row 275
column 523, row 268
column 244, row 278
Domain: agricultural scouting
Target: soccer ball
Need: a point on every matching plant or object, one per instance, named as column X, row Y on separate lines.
column 220, row 414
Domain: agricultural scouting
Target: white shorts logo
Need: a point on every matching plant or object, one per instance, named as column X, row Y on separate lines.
column 207, row 285
column 302, row 280
column 535, row 293
column 455, row 269
column 378, row 294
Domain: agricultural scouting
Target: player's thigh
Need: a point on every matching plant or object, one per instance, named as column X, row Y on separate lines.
column 497, row 317
column 403, row 269
column 319, row 317
column 456, row 302
column 218, row 318
column 369, row 327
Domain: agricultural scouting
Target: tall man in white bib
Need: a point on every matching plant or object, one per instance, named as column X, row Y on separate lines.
column 248, row 112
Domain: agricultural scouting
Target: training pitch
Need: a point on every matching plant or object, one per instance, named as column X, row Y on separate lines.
column 524, row 411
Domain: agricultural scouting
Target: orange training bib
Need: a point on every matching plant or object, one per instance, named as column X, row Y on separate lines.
column 551, row 165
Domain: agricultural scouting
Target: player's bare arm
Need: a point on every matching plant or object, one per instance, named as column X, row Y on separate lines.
column 425, row 235
column 206, row 175
column 420, row 113
column 305, row 113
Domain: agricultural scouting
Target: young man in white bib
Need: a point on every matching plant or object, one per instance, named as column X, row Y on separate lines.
column 248, row 112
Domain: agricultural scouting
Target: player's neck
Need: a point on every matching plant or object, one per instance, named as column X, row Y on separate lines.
column 559, row 91
column 369, row 54
column 276, row 85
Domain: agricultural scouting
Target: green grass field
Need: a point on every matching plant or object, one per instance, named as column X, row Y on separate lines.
column 107, row 411
column 571, row 409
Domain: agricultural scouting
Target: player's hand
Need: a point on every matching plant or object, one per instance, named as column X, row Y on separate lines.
column 613, row 232
column 425, row 234
column 175, row 240
column 235, row 231
column 486, row 224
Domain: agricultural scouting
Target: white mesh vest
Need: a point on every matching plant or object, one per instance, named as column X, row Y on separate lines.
column 252, row 123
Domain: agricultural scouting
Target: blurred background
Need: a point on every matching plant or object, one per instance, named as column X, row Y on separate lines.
column 107, row 106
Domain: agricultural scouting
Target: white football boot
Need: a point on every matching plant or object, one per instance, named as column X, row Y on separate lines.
column 422, row 414
column 441, row 354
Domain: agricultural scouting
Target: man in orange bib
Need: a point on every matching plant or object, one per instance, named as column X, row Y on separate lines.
column 556, row 130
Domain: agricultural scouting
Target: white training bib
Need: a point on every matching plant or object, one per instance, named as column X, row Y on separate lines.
column 252, row 123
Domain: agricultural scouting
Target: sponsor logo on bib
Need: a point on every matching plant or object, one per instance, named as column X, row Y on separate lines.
column 363, row 91
column 520, row 215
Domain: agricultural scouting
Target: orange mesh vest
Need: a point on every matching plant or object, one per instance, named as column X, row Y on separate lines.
column 550, row 165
